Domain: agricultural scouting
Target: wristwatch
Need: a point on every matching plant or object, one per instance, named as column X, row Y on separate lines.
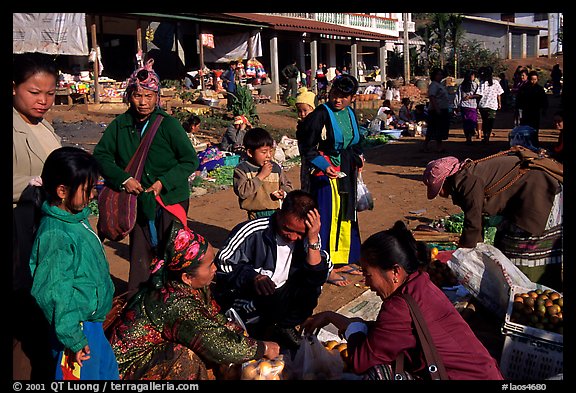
column 315, row 246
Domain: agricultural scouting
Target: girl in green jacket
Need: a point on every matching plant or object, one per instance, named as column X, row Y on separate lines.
column 71, row 277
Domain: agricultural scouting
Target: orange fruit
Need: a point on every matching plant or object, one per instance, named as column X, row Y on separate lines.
column 249, row 371
column 331, row 344
column 265, row 367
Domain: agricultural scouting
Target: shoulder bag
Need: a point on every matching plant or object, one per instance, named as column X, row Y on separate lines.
column 117, row 209
column 434, row 364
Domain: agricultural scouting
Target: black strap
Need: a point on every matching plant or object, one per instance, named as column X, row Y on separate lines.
column 433, row 360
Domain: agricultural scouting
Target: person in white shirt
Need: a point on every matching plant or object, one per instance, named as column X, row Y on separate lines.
column 271, row 270
column 466, row 102
column 490, row 102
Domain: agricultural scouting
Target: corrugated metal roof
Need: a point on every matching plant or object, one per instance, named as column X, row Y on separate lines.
column 311, row 26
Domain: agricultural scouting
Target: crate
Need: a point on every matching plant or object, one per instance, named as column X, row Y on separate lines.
column 513, row 327
column 231, row 159
column 528, row 358
column 529, row 353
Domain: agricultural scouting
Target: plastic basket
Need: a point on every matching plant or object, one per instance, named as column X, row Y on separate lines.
column 528, row 358
column 231, row 160
column 529, row 353
column 513, row 327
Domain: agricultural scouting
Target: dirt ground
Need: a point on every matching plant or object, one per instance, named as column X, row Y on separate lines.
column 393, row 174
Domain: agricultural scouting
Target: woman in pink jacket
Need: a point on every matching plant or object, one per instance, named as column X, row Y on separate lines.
column 390, row 260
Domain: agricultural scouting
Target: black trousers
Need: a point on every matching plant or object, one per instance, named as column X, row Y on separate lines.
column 289, row 306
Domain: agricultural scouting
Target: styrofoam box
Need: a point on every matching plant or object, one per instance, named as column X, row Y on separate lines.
column 527, row 358
column 513, row 327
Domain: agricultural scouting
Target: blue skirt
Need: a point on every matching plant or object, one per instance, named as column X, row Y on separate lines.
column 102, row 364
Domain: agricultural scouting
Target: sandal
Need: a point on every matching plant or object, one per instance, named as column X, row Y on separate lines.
column 339, row 282
column 350, row 269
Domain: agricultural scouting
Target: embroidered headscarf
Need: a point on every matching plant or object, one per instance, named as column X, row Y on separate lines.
column 184, row 251
column 145, row 78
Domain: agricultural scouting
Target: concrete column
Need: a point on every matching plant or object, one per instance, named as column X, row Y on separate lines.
column 509, row 45
column 332, row 55
column 523, row 46
column 354, row 58
column 275, row 72
column 301, row 55
column 382, row 58
column 313, row 62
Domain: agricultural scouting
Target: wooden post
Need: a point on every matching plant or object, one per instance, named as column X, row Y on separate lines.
column 201, row 55
column 140, row 63
column 96, row 63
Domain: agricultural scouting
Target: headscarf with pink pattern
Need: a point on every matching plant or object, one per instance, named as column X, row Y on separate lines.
column 145, row 78
column 184, row 251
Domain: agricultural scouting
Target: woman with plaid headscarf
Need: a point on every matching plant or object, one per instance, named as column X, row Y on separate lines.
column 170, row 161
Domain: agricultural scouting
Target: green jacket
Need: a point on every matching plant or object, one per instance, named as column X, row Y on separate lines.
column 171, row 158
column 71, row 274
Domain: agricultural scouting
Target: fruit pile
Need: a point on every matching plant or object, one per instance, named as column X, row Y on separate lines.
column 263, row 369
column 541, row 309
column 342, row 348
column 440, row 273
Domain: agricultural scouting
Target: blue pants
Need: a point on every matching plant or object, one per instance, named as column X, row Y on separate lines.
column 102, row 364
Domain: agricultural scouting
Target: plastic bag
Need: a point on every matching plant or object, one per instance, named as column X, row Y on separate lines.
column 263, row 369
column 364, row 199
column 313, row 360
column 488, row 275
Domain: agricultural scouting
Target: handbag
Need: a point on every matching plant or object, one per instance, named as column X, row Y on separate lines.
column 117, row 209
column 118, row 305
column 434, row 364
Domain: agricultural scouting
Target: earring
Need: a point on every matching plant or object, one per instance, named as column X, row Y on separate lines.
column 395, row 280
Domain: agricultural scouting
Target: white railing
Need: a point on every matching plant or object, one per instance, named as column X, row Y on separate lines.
column 358, row 21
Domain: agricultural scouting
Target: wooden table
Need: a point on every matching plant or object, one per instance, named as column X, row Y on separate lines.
column 65, row 93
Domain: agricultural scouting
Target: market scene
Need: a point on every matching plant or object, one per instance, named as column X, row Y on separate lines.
column 288, row 196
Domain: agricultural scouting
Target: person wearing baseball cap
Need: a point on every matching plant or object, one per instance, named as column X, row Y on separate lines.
column 529, row 201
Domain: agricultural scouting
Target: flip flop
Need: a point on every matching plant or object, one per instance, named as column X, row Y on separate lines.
column 339, row 282
column 350, row 269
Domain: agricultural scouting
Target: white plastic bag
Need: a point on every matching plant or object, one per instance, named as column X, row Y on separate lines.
column 488, row 275
column 314, row 361
column 364, row 199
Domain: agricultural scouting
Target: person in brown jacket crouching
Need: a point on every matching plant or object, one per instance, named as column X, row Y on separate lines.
column 529, row 202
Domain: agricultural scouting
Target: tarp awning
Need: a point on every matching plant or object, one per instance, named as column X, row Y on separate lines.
column 50, row 33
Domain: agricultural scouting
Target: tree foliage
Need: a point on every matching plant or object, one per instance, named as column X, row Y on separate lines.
column 444, row 47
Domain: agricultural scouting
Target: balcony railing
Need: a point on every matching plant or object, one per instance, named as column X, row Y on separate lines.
column 376, row 24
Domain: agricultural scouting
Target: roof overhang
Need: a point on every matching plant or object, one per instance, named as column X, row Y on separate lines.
column 503, row 23
column 201, row 18
column 283, row 23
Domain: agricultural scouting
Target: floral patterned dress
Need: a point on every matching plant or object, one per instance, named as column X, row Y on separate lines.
column 177, row 332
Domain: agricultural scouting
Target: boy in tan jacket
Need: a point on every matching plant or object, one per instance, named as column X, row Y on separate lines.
column 260, row 183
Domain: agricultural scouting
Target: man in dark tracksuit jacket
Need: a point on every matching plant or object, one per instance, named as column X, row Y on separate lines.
column 271, row 270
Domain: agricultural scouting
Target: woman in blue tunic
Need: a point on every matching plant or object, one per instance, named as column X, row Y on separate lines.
column 329, row 140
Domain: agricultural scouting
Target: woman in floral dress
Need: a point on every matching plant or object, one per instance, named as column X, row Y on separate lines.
column 172, row 328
